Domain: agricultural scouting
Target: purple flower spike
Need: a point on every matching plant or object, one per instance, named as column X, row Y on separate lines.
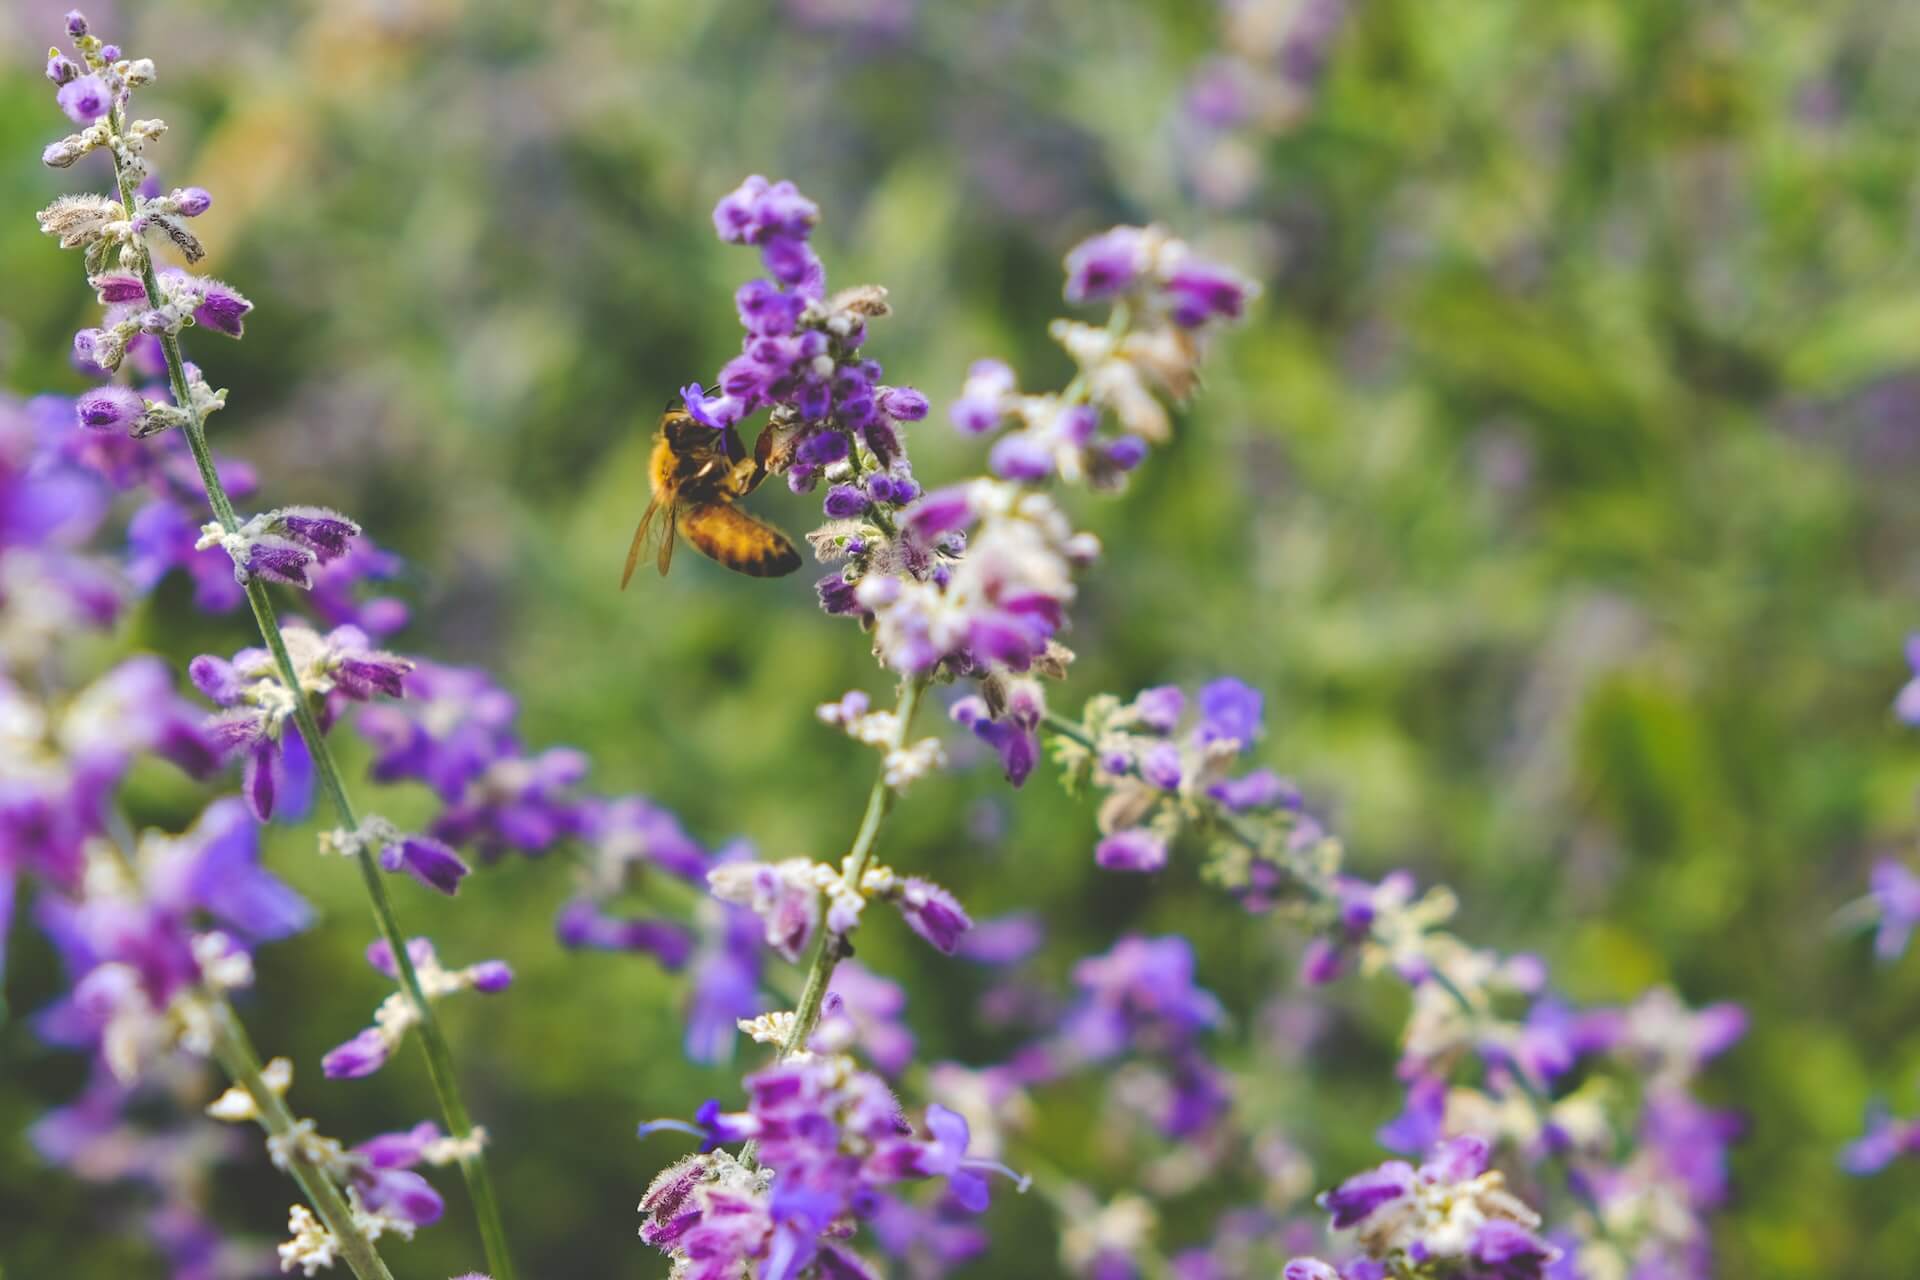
column 110, row 408
column 361, row 1056
column 85, row 99
column 933, row 913
column 1132, row 849
column 427, row 860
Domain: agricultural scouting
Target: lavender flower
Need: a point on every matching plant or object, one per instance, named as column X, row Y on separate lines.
column 1896, row 896
column 1451, row 1208
column 832, row 1145
column 369, row 1050
column 258, row 708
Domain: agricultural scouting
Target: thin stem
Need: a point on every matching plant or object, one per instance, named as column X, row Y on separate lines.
column 432, row 1040
column 833, row 947
column 237, row 1057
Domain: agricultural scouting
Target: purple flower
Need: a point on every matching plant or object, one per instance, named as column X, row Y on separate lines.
column 1230, row 711
column 1308, row 1269
column 361, row 1056
column 1160, row 708
column 1142, row 992
column 162, row 537
column 932, row 912
column 455, row 725
column 725, row 984
column 843, row 500
column 1896, row 892
column 1357, row 1199
column 193, row 201
column 61, row 69
column 1885, row 1140
column 862, row 1008
column 328, row 535
column 983, row 398
column 1105, row 266
column 583, row 925
column 1202, row 291
column 85, row 99
column 524, row 804
column 426, row 860
column 1131, row 849
column 1907, row 704
column 1420, row 1124
column 1160, row 766
column 109, row 408
column 1261, row 789
column 221, row 308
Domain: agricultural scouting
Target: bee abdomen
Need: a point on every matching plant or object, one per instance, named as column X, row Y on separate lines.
column 738, row 541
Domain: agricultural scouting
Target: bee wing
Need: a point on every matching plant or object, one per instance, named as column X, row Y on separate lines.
column 639, row 541
column 667, row 539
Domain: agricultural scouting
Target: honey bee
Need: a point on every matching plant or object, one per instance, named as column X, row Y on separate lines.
column 697, row 475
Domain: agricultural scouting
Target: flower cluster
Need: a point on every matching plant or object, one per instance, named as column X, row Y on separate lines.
column 1159, row 781
column 831, row 415
column 455, row 732
column 368, row 1051
column 258, row 707
column 832, row 1146
column 1452, row 1217
column 1488, row 1050
column 1262, row 83
column 882, row 730
column 1892, row 905
column 792, row 897
column 155, row 936
column 1141, row 1000
column 384, row 1193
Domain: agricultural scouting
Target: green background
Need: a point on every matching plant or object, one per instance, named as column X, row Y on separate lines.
column 1559, row 494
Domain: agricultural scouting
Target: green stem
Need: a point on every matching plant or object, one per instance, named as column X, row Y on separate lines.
column 433, row 1041
column 237, row 1057
column 833, row 947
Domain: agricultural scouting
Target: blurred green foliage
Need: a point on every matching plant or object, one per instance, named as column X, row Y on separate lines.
column 1559, row 495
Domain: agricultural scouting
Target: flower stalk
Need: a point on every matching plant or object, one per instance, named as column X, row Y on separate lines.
column 439, row 1057
column 241, row 1062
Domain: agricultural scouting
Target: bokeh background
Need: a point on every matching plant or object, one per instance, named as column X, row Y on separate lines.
column 1560, row 494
